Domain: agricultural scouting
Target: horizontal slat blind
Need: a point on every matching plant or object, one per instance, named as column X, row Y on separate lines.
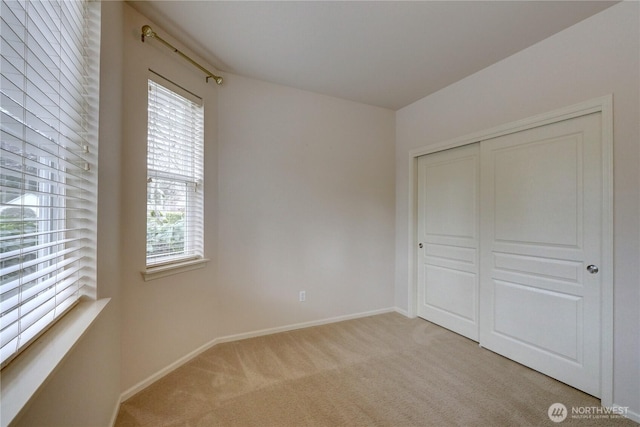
column 175, row 176
column 47, row 187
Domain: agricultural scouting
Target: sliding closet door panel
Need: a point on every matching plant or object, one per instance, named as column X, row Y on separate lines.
column 448, row 189
column 541, row 229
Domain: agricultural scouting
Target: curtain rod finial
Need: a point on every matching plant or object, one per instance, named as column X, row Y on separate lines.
column 215, row 78
column 147, row 32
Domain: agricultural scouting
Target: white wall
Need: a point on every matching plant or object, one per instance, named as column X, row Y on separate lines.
column 305, row 203
column 298, row 196
column 593, row 58
column 85, row 389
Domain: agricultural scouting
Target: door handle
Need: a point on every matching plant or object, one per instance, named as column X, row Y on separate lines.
column 593, row 269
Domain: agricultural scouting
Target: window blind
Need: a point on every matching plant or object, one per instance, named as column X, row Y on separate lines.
column 47, row 149
column 175, row 151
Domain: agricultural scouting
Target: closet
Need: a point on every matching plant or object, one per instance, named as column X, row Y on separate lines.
column 510, row 245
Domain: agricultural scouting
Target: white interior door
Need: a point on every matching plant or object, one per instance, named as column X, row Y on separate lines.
column 448, row 202
column 541, row 230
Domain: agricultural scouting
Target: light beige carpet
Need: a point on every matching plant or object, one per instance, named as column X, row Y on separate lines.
column 383, row 370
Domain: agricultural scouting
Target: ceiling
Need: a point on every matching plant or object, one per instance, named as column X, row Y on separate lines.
column 384, row 53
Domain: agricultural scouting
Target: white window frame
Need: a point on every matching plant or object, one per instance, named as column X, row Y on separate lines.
column 190, row 177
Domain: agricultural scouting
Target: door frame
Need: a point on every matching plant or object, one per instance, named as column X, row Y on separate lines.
column 602, row 105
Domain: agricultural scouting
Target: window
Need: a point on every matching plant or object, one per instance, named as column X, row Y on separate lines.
column 48, row 145
column 174, row 174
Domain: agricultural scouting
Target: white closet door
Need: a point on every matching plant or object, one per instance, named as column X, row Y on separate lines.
column 541, row 245
column 448, row 190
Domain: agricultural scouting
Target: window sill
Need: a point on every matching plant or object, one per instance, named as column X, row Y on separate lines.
column 152, row 273
column 23, row 377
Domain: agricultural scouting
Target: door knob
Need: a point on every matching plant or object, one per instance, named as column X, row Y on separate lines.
column 420, row 245
column 593, row 269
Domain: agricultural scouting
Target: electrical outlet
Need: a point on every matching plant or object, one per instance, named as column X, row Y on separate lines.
column 303, row 296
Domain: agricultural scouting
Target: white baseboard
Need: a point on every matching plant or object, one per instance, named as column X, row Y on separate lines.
column 634, row 416
column 173, row 366
column 405, row 313
column 114, row 416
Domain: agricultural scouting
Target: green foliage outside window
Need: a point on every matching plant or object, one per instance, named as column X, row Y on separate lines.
column 165, row 232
